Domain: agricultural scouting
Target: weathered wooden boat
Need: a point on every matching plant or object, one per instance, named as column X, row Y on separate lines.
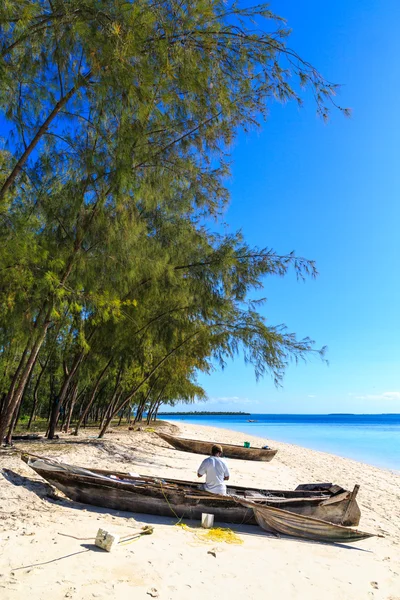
column 171, row 497
column 229, row 450
column 275, row 520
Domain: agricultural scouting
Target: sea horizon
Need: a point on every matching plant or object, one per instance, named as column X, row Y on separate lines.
column 369, row 438
column 242, row 412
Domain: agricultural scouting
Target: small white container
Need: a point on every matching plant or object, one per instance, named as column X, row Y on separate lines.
column 207, row 521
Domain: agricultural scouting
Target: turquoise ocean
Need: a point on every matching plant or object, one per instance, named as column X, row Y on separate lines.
column 372, row 439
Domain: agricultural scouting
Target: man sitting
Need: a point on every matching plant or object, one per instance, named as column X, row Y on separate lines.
column 216, row 472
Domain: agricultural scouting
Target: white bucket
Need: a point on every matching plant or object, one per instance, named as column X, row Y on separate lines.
column 207, row 520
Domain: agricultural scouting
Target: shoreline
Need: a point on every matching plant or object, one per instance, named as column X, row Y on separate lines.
column 287, row 453
column 34, row 558
column 275, row 443
column 269, row 437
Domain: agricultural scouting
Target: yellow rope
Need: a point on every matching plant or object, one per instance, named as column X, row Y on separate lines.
column 184, row 526
column 170, row 507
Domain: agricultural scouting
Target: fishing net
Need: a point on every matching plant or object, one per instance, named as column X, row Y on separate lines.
column 221, row 534
column 215, row 534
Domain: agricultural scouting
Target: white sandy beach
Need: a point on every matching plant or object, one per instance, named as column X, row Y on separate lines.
column 173, row 563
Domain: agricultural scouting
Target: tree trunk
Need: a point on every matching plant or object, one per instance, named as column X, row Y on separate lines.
column 120, row 417
column 115, row 410
column 35, row 393
column 17, row 410
column 131, row 395
column 154, row 415
column 2, row 401
column 149, row 413
column 157, row 409
column 142, row 404
column 67, row 404
column 154, row 406
column 58, row 401
column 114, row 401
column 106, row 424
column 7, row 363
column 6, row 412
column 78, row 401
column 91, row 399
column 139, row 416
column 26, row 371
column 71, row 407
column 13, row 423
column 55, row 409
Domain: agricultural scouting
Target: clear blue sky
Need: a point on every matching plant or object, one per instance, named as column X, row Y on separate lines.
column 331, row 193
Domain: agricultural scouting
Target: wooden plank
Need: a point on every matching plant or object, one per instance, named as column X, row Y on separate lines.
column 351, row 501
column 335, row 499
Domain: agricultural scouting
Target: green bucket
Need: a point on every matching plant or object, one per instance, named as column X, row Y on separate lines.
column 246, row 444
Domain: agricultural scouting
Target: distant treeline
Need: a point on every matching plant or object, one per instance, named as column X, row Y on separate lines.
column 202, row 412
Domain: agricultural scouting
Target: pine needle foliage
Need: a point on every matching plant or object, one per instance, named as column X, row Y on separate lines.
column 120, row 116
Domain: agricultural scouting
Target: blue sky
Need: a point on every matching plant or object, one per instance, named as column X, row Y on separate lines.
column 331, row 193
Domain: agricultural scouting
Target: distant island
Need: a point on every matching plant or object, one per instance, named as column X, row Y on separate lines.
column 201, row 413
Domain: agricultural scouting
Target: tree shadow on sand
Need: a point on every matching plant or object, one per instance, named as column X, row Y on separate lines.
column 137, row 455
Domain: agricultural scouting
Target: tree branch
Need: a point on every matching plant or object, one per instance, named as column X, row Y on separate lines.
column 42, row 130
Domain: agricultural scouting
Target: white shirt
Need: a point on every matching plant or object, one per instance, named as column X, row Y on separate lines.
column 215, row 470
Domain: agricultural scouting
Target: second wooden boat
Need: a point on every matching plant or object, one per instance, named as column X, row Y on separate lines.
column 229, row 450
column 175, row 498
column 275, row 520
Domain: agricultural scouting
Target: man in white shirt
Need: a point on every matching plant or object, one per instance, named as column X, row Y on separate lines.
column 216, row 472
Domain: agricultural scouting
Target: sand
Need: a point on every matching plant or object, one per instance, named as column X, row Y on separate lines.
column 37, row 562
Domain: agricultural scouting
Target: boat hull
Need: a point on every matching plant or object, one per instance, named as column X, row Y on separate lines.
column 174, row 498
column 229, row 450
column 280, row 521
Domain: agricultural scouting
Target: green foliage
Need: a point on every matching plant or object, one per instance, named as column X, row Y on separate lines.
column 121, row 119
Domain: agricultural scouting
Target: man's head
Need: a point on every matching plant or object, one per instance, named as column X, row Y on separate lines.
column 216, row 450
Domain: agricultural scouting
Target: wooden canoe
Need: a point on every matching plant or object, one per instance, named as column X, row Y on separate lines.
column 275, row 520
column 171, row 497
column 229, row 450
